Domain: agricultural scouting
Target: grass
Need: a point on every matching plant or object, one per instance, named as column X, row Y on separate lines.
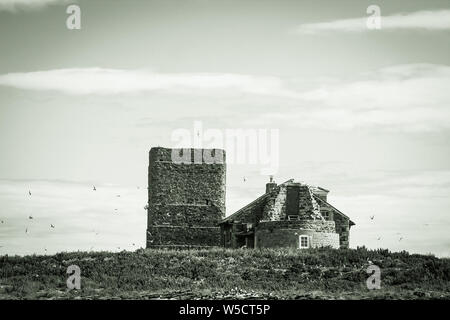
column 224, row 273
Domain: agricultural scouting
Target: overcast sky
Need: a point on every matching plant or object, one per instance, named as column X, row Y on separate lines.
column 363, row 113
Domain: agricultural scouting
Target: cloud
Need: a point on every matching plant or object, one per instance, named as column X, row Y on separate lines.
column 425, row 20
column 114, row 81
column 14, row 5
column 411, row 98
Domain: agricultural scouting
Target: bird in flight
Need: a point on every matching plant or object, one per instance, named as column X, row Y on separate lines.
column 52, row 226
column 26, row 230
column 95, row 189
column 30, row 217
column 379, row 238
column 371, row 217
column 2, row 221
column 245, row 179
column 29, row 192
column 118, row 196
column 400, row 239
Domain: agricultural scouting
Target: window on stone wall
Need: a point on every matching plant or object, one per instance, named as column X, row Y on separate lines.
column 326, row 215
column 303, row 242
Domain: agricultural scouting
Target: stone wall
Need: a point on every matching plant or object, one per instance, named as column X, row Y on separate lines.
column 182, row 236
column 314, row 225
column 272, row 234
column 342, row 223
column 186, row 201
column 343, row 229
column 289, row 238
column 275, row 208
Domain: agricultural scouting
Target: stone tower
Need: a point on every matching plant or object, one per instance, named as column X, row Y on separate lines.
column 186, row 199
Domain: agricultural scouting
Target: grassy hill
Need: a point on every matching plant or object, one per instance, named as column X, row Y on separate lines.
column 226, row 274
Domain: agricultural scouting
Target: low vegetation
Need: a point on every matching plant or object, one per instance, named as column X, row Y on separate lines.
column 226, row 274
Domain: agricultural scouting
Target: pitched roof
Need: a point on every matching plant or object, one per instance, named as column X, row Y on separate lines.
column 232, row 216
column 264, row 196
column 334, row 208
column 257, row 200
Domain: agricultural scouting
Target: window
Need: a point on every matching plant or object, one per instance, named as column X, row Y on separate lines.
column 303, row 242
column 326, row 215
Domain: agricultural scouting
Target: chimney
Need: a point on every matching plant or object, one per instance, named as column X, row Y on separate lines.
column 270, row 185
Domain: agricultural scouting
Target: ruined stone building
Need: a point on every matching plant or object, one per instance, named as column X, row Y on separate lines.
column 291, row 214
column 186, row 208
column 186, row 200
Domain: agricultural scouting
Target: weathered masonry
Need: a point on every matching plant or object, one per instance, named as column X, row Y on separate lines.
column 291, row 214
column 186, row 201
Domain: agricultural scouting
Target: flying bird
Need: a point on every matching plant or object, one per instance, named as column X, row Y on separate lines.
column 245, row 179
column 95, row 189
column 118, row 196
column 30, row 217
column 52, row 226
column 379, row 238
column 400, row 239
column 2, row 221
column 29, row 192
column 371, row 217
column 26, row 230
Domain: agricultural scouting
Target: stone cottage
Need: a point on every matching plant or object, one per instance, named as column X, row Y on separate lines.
column 290, row 214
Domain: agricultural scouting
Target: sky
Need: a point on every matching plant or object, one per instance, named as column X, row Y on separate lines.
column 361, row 112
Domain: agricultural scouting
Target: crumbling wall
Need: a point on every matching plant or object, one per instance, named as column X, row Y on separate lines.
column 275, row 208
column 186, row 201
